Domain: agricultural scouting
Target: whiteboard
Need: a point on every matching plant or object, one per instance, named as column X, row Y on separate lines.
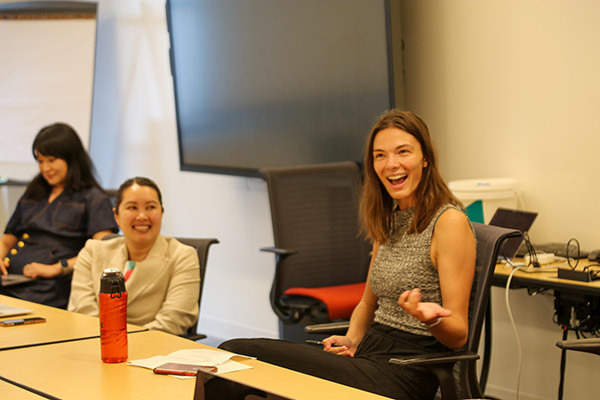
column 47, row 70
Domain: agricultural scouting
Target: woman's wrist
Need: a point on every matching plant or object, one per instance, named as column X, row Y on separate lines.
column 65, row 269
column 432, row 324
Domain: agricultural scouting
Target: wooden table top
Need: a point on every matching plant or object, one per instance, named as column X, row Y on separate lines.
column 60, row 325
column 73, row 370
column 12, row 392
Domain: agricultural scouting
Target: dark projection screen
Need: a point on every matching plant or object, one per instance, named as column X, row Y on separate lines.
column 277, row 82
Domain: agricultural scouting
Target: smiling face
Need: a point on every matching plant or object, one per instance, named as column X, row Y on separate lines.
column 398, row 162
column 140, row 215
column 53, row 169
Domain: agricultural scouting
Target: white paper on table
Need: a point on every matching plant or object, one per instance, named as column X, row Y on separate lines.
column 211, row 358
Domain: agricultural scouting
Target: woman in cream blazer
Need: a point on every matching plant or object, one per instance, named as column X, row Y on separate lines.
column 162, row 275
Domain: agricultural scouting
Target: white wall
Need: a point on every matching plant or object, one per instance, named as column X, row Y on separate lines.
column 134, row 133
column 60, row 48
column 511, row 88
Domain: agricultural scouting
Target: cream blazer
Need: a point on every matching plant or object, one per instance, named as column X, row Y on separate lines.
column 162, row 291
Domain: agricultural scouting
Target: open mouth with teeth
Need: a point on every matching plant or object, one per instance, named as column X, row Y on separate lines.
column 141, row 227
column 396, row 180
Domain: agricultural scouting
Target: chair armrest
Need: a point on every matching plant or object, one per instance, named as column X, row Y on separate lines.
column 331, row 328
column 435, row 358
column 442, row 365
column 284, row 313
column 278, row 251
column 194, row 337
column 591, row 345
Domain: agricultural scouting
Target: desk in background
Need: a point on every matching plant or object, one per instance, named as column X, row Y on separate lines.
column 576, row 304
column 60, row 326
column 545, row 280
column 73, row 370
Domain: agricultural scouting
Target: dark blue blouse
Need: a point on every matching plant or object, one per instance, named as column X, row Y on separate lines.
column 49, row 232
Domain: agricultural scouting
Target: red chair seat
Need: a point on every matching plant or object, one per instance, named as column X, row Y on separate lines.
column 340, row 300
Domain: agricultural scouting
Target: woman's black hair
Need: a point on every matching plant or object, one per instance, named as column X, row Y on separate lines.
column 61, row 141
column 138, row 180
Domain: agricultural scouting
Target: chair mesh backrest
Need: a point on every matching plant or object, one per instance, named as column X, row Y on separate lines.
column 489, row 238
column 314, row 211
column 201, row 246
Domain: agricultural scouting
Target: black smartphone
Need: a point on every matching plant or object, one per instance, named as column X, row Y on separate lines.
column 22, row 321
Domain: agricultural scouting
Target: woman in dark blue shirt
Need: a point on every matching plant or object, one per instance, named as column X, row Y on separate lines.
column 62, row 207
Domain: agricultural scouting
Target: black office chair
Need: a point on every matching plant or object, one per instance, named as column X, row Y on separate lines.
column 587, row 345
column 466, row 385
column 321, row 262
column 201, row 246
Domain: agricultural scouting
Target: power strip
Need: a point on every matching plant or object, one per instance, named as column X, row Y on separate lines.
column 542, row 258
column 581, row 276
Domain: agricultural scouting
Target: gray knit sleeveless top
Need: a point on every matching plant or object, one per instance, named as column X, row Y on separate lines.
column 404, row 263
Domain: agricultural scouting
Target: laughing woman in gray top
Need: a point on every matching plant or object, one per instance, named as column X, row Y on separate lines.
column 417, row 295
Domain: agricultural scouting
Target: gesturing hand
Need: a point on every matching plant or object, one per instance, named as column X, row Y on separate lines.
column 427, row 313
column 340, row 345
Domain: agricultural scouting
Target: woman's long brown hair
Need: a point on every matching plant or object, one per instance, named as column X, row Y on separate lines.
column 376, row 205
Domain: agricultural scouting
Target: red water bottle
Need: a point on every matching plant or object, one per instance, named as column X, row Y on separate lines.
column 112, row 301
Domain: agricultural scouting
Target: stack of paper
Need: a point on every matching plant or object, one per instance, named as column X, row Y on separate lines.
column 201, row 357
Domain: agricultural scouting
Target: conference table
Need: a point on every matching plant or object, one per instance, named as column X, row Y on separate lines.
column 60, row 326
column 72, row 369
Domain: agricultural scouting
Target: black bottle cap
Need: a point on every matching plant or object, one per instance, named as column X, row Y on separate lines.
column 112, row 281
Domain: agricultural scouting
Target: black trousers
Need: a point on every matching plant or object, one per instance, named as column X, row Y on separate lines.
column 368, row 370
